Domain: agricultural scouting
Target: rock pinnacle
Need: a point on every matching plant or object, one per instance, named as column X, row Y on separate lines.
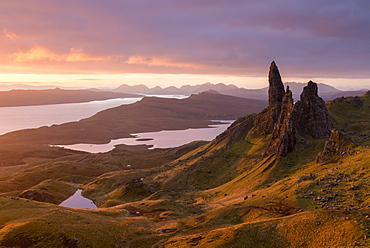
column 276, row 87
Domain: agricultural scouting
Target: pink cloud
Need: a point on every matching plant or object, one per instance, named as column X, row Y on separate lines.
column 313, row 38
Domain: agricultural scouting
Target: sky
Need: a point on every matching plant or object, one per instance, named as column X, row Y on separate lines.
column 107, row 43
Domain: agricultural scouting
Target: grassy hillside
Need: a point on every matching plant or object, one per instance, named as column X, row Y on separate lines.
column 224, row 193
column 352, row 114
column 245, row 199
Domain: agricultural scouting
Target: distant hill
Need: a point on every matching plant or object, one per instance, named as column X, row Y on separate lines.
column 327, row 92
column 54, row 96
column 148, row 115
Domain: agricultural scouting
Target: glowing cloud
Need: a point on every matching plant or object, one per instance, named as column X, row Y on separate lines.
column 40, row 53
column 36, row 54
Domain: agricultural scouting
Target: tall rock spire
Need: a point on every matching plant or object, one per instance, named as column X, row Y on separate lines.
column 276, row 87
column 265, row 121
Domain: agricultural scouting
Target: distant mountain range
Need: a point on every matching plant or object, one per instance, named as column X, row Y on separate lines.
column 327, row 92
column 22, row 94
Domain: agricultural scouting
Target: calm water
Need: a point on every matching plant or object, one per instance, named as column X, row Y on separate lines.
column 161, row 139
column 16, row 118
column 78, row 201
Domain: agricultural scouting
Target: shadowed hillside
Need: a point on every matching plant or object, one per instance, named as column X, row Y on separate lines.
column 56, row 96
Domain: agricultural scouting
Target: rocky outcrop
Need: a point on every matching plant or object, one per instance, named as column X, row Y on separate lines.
column 37, row 196
column 264, row 122
column 338, row 146
column 283, row 136
column 311, row 118
column 283, row 119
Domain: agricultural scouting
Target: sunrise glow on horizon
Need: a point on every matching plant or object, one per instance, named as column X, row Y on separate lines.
column 108, row 43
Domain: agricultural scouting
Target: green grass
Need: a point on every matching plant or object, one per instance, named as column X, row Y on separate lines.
column 350, row 116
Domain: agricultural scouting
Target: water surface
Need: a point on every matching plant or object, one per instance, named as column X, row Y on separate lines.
column 23, row 117
column 161, row 139
column 78, row 201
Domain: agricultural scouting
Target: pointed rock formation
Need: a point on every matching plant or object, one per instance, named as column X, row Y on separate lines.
column 310, row 114
column 264, row 122
column 276, row 87
column 283, row 136
column 283, row 119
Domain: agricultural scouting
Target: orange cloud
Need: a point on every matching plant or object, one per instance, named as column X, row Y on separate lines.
column 40, row 53
column 139, row 60
column 10, row 35
column 36, row 54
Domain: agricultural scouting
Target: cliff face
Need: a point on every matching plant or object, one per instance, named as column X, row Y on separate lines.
column 311, row 118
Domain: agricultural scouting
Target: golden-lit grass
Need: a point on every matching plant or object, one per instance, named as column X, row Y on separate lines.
column 307, row 229
column 25, row 223
column 221, row 194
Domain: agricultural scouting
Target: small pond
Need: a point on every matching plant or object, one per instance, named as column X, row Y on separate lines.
column 78, row 201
